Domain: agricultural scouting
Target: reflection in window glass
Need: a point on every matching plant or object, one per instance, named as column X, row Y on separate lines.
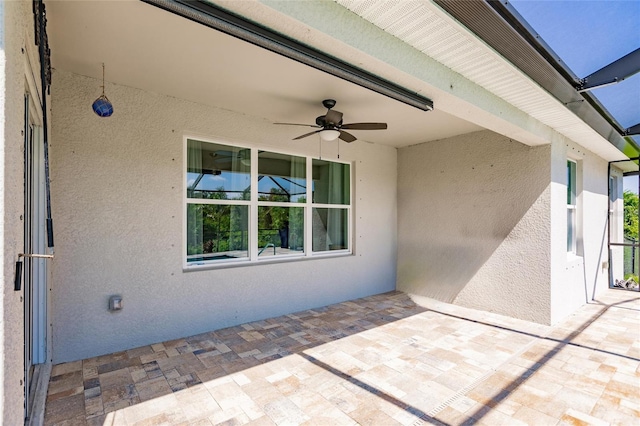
column 330, row 229
column 571, row 182
column 280, row 230
column 219, row 172
column 571, row 226
column 281, row 178
column 216, row 231
column 331, row 182
column 240, row 214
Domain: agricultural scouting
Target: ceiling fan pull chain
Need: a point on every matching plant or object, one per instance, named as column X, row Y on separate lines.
column 338, row 149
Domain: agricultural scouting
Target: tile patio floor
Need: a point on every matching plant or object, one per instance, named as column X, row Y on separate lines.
column 380, row 360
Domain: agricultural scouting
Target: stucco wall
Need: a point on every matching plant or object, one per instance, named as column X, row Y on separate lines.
column 16, row 41
column 474, row 224
column 617, row 261
column 576, row 279
column 117, row 201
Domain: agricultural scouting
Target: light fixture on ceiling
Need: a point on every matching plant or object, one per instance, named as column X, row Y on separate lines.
column 102, row 106
column 329, row 135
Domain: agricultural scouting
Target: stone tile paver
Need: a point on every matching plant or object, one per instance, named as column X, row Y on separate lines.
column 381, row 360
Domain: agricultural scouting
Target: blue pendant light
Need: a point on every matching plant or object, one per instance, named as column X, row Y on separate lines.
column 102, row 106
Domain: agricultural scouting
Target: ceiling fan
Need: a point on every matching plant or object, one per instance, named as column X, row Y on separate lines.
column 331, row 128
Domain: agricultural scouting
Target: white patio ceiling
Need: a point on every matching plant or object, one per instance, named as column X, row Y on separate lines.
column 148, row 48
column 145, row 47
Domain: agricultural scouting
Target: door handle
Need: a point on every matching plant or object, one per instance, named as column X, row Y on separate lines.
column 17, row 284
column 39, row 256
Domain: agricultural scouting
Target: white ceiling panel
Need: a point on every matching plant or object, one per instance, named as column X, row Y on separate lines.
column 145, row 47
column 448, row 42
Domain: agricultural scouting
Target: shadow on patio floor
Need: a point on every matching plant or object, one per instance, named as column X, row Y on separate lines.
column 378, row 360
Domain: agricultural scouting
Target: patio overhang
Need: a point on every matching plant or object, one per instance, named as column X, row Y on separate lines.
column 208, row 14
column 491, row 48
column 168, row 54
column 500, row 25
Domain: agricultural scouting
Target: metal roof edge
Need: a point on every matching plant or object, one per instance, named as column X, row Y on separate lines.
column 499, row 25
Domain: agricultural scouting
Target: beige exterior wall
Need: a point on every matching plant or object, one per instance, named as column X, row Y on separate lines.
column 482, row 222
column 474, row 224
column 118, row 203
column 19, row 73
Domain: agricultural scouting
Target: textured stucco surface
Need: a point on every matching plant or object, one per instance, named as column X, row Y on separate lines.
column 474, row 224
column 576, row 279
column 117, row 199
column 482, row 222
column 16, row 36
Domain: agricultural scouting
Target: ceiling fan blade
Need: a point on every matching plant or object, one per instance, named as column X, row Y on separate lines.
column 347, row 137
column 365, row 126
column 307, row 134
column 333, row 117
column 298, row 124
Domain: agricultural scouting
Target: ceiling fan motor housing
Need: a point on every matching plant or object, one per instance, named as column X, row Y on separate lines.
column 329, row 103
column 322, row 121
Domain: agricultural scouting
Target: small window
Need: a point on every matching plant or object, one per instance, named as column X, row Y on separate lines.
column 330, row 229
column 281, row 178
column 571, row 206
column 216, row 231
column 249, row 205
column 218, row 185
column 218, row 171
column 331, row 195
column 331, row 183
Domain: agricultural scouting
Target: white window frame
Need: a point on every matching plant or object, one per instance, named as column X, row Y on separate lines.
column 254, row 203
column 572, row 209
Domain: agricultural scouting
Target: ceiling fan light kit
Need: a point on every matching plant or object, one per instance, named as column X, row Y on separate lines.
column 329, row 135
column 331, row 127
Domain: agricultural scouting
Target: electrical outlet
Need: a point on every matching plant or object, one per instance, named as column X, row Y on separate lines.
column 115, row 303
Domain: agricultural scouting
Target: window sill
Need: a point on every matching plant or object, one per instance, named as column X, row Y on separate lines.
column 265, row 261
column 573, row 258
